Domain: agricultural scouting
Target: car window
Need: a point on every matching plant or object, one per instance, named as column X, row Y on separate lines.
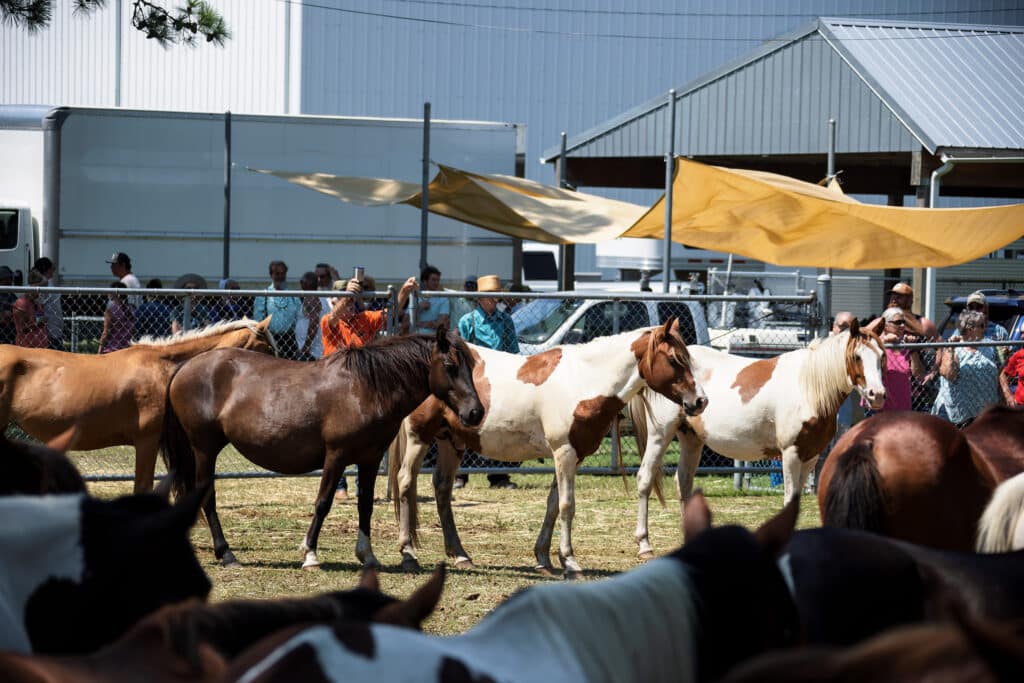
column 680, row 310
column 599, row 320
column 537, row 320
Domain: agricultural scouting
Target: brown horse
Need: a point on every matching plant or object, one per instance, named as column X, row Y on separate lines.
column 193, row 641
column 294, row 417
column 911, row 476
column 997, row 436
column 116, row 398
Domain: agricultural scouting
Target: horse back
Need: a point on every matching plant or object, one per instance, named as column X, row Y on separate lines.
column 997, row 437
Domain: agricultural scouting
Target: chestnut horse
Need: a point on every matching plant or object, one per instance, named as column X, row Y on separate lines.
column 293, row 417
column 558, row 404
column 115, row 398
column 897, row 473
column 757, row 409
column 673, row 619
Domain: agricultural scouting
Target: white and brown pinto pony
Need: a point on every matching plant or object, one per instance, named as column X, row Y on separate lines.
column 557, row 404
column 782, row 406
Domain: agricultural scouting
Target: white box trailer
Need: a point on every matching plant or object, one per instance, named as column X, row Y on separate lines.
column 78, row 184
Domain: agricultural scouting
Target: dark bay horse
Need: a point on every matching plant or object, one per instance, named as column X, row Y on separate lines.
column 674, row 619
column 29, row 468
column 907, row 475
column 294, row 417
column 115, row 398
column 194, row 641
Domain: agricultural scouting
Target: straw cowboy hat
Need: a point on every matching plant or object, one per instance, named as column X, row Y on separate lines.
column 489, row 283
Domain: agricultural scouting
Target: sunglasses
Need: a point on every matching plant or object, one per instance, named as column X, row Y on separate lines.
column 975, row 306
column 897, row 322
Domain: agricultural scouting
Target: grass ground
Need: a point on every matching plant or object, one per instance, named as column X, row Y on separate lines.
column 265, row 521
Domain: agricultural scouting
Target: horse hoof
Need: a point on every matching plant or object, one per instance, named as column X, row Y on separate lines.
column 464, row 563
column 545, row 571
column 315, row 567
column 411, row 566
column 229, row 560
column 645, row 556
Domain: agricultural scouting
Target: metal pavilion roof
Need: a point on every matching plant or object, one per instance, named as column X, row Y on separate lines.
column 948, row 86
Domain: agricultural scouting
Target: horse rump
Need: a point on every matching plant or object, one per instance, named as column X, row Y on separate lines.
column 853, row 497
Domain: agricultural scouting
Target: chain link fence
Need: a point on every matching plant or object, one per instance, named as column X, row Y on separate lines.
column 100, row 320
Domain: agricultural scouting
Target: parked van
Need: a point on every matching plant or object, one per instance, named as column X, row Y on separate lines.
column 545, row 323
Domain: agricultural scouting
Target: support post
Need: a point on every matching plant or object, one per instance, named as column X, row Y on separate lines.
column 670, row 164
column 425, row 192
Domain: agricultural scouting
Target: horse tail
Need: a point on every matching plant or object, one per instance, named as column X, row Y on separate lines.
column 1003, row 515
column 176, row 450
column 638, row 411
column 855, row 499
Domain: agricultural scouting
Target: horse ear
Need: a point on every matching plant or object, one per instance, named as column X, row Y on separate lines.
column 776, row 532
column 63, row 442
column 369, row 580
column 265, row 323
column 666, row 329
column 442, row 339
column 412, row 612
column 696, row 516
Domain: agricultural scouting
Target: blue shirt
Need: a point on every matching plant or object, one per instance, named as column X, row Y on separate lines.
column 438, row 306
column 495, row 331
column 284, row 309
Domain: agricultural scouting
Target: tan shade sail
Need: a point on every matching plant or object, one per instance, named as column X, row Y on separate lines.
column 505, row 204
column 759, row 215
column 787, row 222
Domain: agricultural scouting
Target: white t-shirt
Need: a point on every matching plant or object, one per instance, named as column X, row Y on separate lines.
column 132, row 282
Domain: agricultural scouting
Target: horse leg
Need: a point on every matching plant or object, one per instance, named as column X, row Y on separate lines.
column 794, row 473
column 565, row 473
column 367, row 481
column 650, row 468
column 542, row 548
column 146, row 448
column 448, row 459
column 405, row 498
column 334, row 466
column 205, row 466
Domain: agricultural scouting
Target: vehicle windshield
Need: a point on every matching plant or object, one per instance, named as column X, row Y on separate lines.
column 537, row 320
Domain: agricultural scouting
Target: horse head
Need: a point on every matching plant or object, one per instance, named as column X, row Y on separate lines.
column 865, row 363
column 257, row 337
column 451, row 377
column 664, row 363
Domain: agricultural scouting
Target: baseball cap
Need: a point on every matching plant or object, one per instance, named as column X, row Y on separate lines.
column 902, row 288
column 119, row 257
column 977, row 297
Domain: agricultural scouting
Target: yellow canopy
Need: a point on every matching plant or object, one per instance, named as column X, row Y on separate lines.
column 759, row 215
column 788, row 222
column 505, row 204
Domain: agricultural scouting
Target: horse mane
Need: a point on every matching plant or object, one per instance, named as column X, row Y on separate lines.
column 217, row 328
column 826, row 370
column 389, row 362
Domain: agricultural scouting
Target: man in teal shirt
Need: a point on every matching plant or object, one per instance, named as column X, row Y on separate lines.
column 490, row 326
column 285, row 310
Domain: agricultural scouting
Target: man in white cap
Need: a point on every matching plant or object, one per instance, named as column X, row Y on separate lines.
column 977, row 301
column 121, row 267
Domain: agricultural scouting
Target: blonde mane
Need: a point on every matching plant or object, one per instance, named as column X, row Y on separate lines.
column 217, row 328
column 825, row 375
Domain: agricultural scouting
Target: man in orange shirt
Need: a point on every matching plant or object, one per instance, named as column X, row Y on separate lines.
column 345, row 327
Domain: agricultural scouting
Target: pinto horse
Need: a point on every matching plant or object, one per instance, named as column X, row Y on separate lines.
column 558, row 404
column 294, row 417
column 70, row 577
column 757, row 409
column 907, row 475
column 115, row 398
column 197, row 642
column 1001, row 527
column 673, row 619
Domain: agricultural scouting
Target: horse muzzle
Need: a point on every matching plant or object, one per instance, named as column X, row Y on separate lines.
column 472, row 417
column 874, row 397
column 696, row 406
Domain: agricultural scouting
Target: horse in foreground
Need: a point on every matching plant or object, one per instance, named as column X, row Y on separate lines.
column 197, row 642
column 673, row 619
column 115, row 398
column 294, row 417
column 559, row 404
column 33, row 469
column 70, row 571
column 911, row 476
column 1001, row 527
column 757, row 409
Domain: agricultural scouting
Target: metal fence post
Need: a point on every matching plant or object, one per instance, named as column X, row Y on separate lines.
column 186, row 316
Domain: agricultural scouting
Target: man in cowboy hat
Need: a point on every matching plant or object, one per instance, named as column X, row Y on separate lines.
column 489, row 325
